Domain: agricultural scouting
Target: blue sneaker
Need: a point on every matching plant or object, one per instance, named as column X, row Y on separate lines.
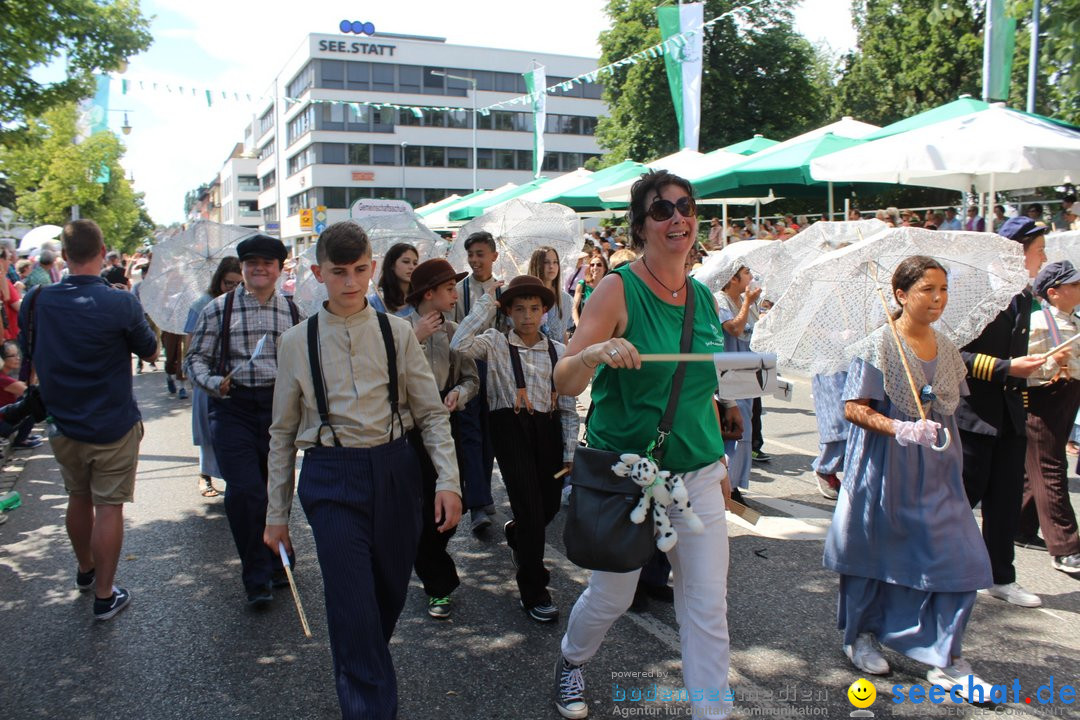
column 183, row 394
column 107, row 608
column 170, row 384
column 29, row 443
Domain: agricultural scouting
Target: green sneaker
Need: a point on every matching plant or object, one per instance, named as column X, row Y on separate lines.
column 439, row 607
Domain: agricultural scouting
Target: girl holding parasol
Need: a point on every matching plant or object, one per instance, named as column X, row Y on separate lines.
column 903, row 538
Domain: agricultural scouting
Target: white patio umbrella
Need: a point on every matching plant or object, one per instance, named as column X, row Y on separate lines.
column 686, row 164
column 34, row 238
column 996, row 149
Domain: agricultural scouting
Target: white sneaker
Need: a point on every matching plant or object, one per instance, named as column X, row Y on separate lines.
column 958, row 674
column 866, row 657
column 1013, row 593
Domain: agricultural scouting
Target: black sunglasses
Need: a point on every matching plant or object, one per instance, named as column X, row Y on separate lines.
column 661, row 209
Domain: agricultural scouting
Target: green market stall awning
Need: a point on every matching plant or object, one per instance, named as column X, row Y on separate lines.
column 586, row 197
column 478, row 207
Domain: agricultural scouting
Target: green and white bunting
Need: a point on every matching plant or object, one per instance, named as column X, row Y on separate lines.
column 536, row 86
column 683, row 26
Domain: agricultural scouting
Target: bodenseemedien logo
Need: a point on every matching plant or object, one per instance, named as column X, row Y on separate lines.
column 862, row 694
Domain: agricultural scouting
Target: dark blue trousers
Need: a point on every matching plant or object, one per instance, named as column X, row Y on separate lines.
column 475, row 449
column 240, row 431
column 363, row 505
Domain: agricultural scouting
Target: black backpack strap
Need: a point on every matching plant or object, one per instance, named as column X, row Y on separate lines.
column 391, row 372
column 317, row 381
column 465, row 297
column 522, row 396
column 668, row 420
column 293, row 310
column 226, row 321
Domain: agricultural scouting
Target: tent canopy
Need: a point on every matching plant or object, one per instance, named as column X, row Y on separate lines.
column 750, row 146
column 479, row 206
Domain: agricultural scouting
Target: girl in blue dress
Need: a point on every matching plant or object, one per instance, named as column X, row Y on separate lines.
column 903, row 538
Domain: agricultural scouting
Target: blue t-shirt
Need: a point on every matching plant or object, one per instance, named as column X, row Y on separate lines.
column 85, row 332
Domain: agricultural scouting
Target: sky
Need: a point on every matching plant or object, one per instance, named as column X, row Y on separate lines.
column 178, row 143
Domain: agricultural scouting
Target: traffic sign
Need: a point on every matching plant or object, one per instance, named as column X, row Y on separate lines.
column 306, row 218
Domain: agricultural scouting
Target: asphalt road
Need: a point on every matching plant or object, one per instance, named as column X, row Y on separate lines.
column 189, row 648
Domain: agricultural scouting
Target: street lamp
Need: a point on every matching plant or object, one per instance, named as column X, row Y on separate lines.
column 471, row 81
column 126, row 127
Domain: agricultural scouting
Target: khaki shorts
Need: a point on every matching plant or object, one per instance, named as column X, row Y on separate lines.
column 106, row 472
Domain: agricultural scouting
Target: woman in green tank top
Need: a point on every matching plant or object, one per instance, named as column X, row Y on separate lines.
column 638, row 309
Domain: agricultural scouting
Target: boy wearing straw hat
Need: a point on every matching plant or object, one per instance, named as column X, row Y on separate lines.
column 352, row 384
column 433, row 294
column 533, row 429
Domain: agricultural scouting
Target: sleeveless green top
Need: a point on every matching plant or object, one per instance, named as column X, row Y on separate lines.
column 628, row 404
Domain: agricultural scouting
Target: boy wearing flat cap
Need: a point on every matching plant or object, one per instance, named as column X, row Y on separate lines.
column 1054, row 398
column 434, row 295
column 533, row 429
column 353, row 386
column 222, row 360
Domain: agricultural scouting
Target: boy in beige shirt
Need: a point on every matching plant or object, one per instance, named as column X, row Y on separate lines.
column 351, row 385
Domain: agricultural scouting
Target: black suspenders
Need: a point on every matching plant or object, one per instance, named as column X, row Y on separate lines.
column 226, row 321
column 522, row 396
column 320, row 387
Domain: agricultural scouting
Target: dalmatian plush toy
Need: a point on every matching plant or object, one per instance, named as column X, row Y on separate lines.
column 661, row 490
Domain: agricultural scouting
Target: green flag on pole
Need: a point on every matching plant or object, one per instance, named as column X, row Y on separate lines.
column 536, row 86
column 999, row 43
column 681, row 29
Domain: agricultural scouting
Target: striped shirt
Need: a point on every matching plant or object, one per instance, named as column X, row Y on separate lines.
column 473, row 340
column 249, row 322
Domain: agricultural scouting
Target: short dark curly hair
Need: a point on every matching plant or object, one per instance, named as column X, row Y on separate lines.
column 653, row 181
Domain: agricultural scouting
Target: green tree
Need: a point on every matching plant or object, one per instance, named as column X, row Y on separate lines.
column 1058, row 84
column 49, row 173
column 88, row 36
column 759, row 77
column 907, row 60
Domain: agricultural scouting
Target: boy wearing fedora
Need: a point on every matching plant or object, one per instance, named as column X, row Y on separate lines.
column 533, row 429
column 240, row 382
column 353, row 385
column 434, row 294
column 478, row 455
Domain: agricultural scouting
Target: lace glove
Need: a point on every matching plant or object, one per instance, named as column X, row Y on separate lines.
column 920, row 432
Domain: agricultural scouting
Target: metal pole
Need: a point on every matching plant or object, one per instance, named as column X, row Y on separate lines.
column 475, row 186
column 724, row 238
column 987, row 34
column 1033, row 59
column 847, row 208
column 403, row 146
column 830, row 202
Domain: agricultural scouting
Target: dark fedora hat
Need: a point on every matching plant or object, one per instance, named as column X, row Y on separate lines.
column 526, row 286
column 429, row 275
column 262, row 246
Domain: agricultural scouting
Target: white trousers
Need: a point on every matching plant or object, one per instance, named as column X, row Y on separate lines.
column 700, row 565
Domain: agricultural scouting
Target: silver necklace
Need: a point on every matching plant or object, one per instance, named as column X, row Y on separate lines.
column 674, row 293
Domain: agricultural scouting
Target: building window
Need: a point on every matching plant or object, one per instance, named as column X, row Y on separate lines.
column 302, row 201
column 332, row 153
column 268, row 180
column 301, row 160
column 269, row 214
column 384, row 155
column 333, row 74
column 434, row 157
column 300, row 124
column 358, row 76
column 412, row 155
column 382, row 77
column 266, row 121
column 266, row 150
column 458, row 157
column 359, row 154
column 485, row 159
column 303, row 80
column 247, row 183
column 410, row 78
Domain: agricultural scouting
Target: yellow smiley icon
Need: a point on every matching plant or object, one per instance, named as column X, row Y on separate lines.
column 862, row 693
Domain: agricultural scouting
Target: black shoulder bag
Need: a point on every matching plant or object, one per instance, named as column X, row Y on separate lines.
column 598, row 533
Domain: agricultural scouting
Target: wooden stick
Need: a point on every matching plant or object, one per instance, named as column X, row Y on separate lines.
column 748, row 514
column 1060, row 347
column 561, row 473
column 292, row 586
column 678, row 357
column 903, row 355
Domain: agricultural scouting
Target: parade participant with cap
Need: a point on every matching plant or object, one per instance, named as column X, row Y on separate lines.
column 352, row 387
column 223, row 361
column 992, row 419
column 1053, row 399
column 533, row 428
column 433, row 295
column 478, row 454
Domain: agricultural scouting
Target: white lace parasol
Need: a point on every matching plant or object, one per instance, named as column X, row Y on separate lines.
column 719, row 267
column 833, row 302
column 182, row 267
column 519, row 227
column 1063, row 246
